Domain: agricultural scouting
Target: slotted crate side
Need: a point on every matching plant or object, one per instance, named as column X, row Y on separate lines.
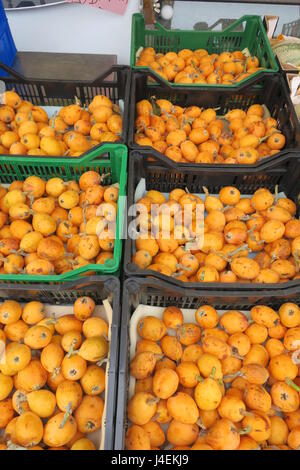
column 110, row 160
column 99, row 288
column 114, row 83
column 270, row 90
column 32, row 166
column 215, row 44
column 253, row 37
column 162, row 294
column 292, row 29
column 247, row 184
column 7, row 46
column 283, row 174
column 159, row 175
column 230, row 39
column 50, row 94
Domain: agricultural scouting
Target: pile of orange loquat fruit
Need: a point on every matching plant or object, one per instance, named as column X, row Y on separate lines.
column 197, row 135
column 228, row 382
column 222, row 238
column 200, row 67
column 26, row 129
column 52, row 227
column 50, row 380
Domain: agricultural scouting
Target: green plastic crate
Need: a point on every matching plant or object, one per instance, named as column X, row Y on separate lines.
column 108, row 159
column 253, row 37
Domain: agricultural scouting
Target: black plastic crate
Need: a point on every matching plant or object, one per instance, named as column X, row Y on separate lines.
column 292, row 28
column 99, row 288
column 114, row 83
column 161, row 294
column 270, row 90
column 283, row 173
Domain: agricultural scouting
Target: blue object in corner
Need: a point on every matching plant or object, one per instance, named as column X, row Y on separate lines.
column 8, row 49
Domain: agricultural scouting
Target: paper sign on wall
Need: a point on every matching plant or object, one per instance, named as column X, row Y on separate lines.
column 116, row 6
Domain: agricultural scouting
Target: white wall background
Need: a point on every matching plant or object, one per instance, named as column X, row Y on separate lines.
column 186, row 14
column 79, row 28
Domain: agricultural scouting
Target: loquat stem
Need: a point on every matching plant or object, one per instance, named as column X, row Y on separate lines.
column 66, row 415
column 205, row 190
column 178, row 274
column 240, row 248
column 273, row 131
column 225, row 208
column 276, row 194
column 199, row 422
column 77, row 101
column 104, row 176
column 31, row 200
column 156, row 107
column 237, row 356
column 101, row 362
column 12, row 446
column 245, row 218
column 292, row 384
column 277, row 409
column 53, row 120
column 189, row 245
column 56, row 371
column 21, row 398
column 296, row 357
column 224, row 257
column 213, row 373
column 233, row 376
column 71, row 351
column 185, row 268
column 116, row 109
column 246, row 413
column 245, row 430
column 297, row 260
column 150, row 401
column 158, row 357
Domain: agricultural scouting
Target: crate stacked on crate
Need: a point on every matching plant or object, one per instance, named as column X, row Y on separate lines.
column 270, row 92
column 191, row 256
column 54, row 208
column 250, row 133
column 89, row 306
column 67, row 117
column 246, row 34
column 187, row 284
column 206, row 57
column 56, row 205
column 61, row 233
